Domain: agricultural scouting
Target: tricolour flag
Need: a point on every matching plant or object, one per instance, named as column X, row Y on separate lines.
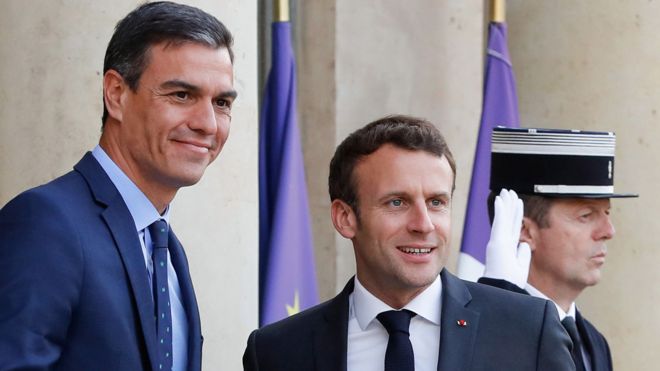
column 500, row 108
column 287, row 280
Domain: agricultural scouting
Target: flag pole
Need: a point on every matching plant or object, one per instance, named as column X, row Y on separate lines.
column 498, row 11
column 281, row 11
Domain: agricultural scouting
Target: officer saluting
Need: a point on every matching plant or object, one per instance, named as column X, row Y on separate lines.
column 565, row 178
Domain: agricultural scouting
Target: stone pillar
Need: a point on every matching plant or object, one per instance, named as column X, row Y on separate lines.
column 51, row 60
column 359, row 61
column 315, row 52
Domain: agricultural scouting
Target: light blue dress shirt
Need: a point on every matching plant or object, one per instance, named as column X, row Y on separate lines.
column 144, row 213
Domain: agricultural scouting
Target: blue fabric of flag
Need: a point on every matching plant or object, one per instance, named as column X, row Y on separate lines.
column 287, row 278
column 500, row 108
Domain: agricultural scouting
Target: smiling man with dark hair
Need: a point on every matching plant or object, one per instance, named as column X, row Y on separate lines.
column 91, row 275
column 391, row 185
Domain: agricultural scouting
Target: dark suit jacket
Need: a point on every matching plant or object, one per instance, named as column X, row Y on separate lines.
column 74, row 289
column 593, row 341
column 505, row 331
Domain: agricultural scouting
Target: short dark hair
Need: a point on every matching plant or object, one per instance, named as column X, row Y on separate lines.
column 152, row 23
column 399, row 130
column 534, row 207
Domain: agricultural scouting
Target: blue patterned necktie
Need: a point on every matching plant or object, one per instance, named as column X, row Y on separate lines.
column 159, row 231
column 399, row 355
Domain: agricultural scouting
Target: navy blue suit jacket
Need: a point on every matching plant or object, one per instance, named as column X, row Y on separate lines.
column 74, row 289
column 505, row 331
column 593, row 341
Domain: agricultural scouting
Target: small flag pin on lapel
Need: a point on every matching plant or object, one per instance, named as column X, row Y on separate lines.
column 461, row 322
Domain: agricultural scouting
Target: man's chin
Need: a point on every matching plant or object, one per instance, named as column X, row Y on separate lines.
column 421, row 281
column 184, row 180
column 593, row 279
column 187, row 173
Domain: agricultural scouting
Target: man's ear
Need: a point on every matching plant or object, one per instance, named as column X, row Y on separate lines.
column 529, row 232
column 114, row 89
column 343, row 218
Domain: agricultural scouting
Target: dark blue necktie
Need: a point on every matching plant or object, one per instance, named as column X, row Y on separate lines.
column 158, row 231
column 571, row 328
column 399, row 355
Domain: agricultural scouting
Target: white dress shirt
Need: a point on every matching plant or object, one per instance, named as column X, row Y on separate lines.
column 533, row 291
column 367, row 338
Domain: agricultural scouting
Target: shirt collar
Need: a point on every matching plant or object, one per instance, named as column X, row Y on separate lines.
column 533, row 291
column 142, row 210
column 426, row 305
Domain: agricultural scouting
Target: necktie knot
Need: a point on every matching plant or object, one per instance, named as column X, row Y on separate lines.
column 158, row 231
column 569, row 325
column 399, row 355
column 396, row 320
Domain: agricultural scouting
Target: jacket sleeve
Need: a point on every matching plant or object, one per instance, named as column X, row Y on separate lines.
column 555, row 346
column 41, row 268
column 609, row 355
column 250, row 355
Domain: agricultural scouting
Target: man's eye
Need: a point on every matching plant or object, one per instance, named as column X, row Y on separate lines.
column 439, row 202
column 396, row 203
column 223, row 103
column 182, row 95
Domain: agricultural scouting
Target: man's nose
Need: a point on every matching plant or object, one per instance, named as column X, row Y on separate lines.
column 605, row 230
column 204, row 118
column 420, row 220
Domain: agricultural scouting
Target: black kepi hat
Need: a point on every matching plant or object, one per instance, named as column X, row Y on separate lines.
column 554, row 163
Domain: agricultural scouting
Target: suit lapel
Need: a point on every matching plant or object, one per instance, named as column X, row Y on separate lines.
column 331, row 337
column 121, row 226
column 180, row 263
column 456, row 341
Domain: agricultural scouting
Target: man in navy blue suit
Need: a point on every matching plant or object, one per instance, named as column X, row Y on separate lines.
column 391, row 185
column 76, row 270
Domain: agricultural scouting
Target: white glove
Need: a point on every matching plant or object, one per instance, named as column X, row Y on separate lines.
column 506, row 258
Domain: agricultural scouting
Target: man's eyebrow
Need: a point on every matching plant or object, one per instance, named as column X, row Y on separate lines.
column 393, row 194
column 397, row 194
column 441, row 195
column 228, row 94
column 179, row 84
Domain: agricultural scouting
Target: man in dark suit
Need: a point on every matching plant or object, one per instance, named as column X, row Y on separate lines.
column 391, row 185
column 91, row 277
column 565, row 179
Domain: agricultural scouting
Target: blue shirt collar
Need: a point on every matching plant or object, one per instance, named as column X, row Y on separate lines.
column 142, row 210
